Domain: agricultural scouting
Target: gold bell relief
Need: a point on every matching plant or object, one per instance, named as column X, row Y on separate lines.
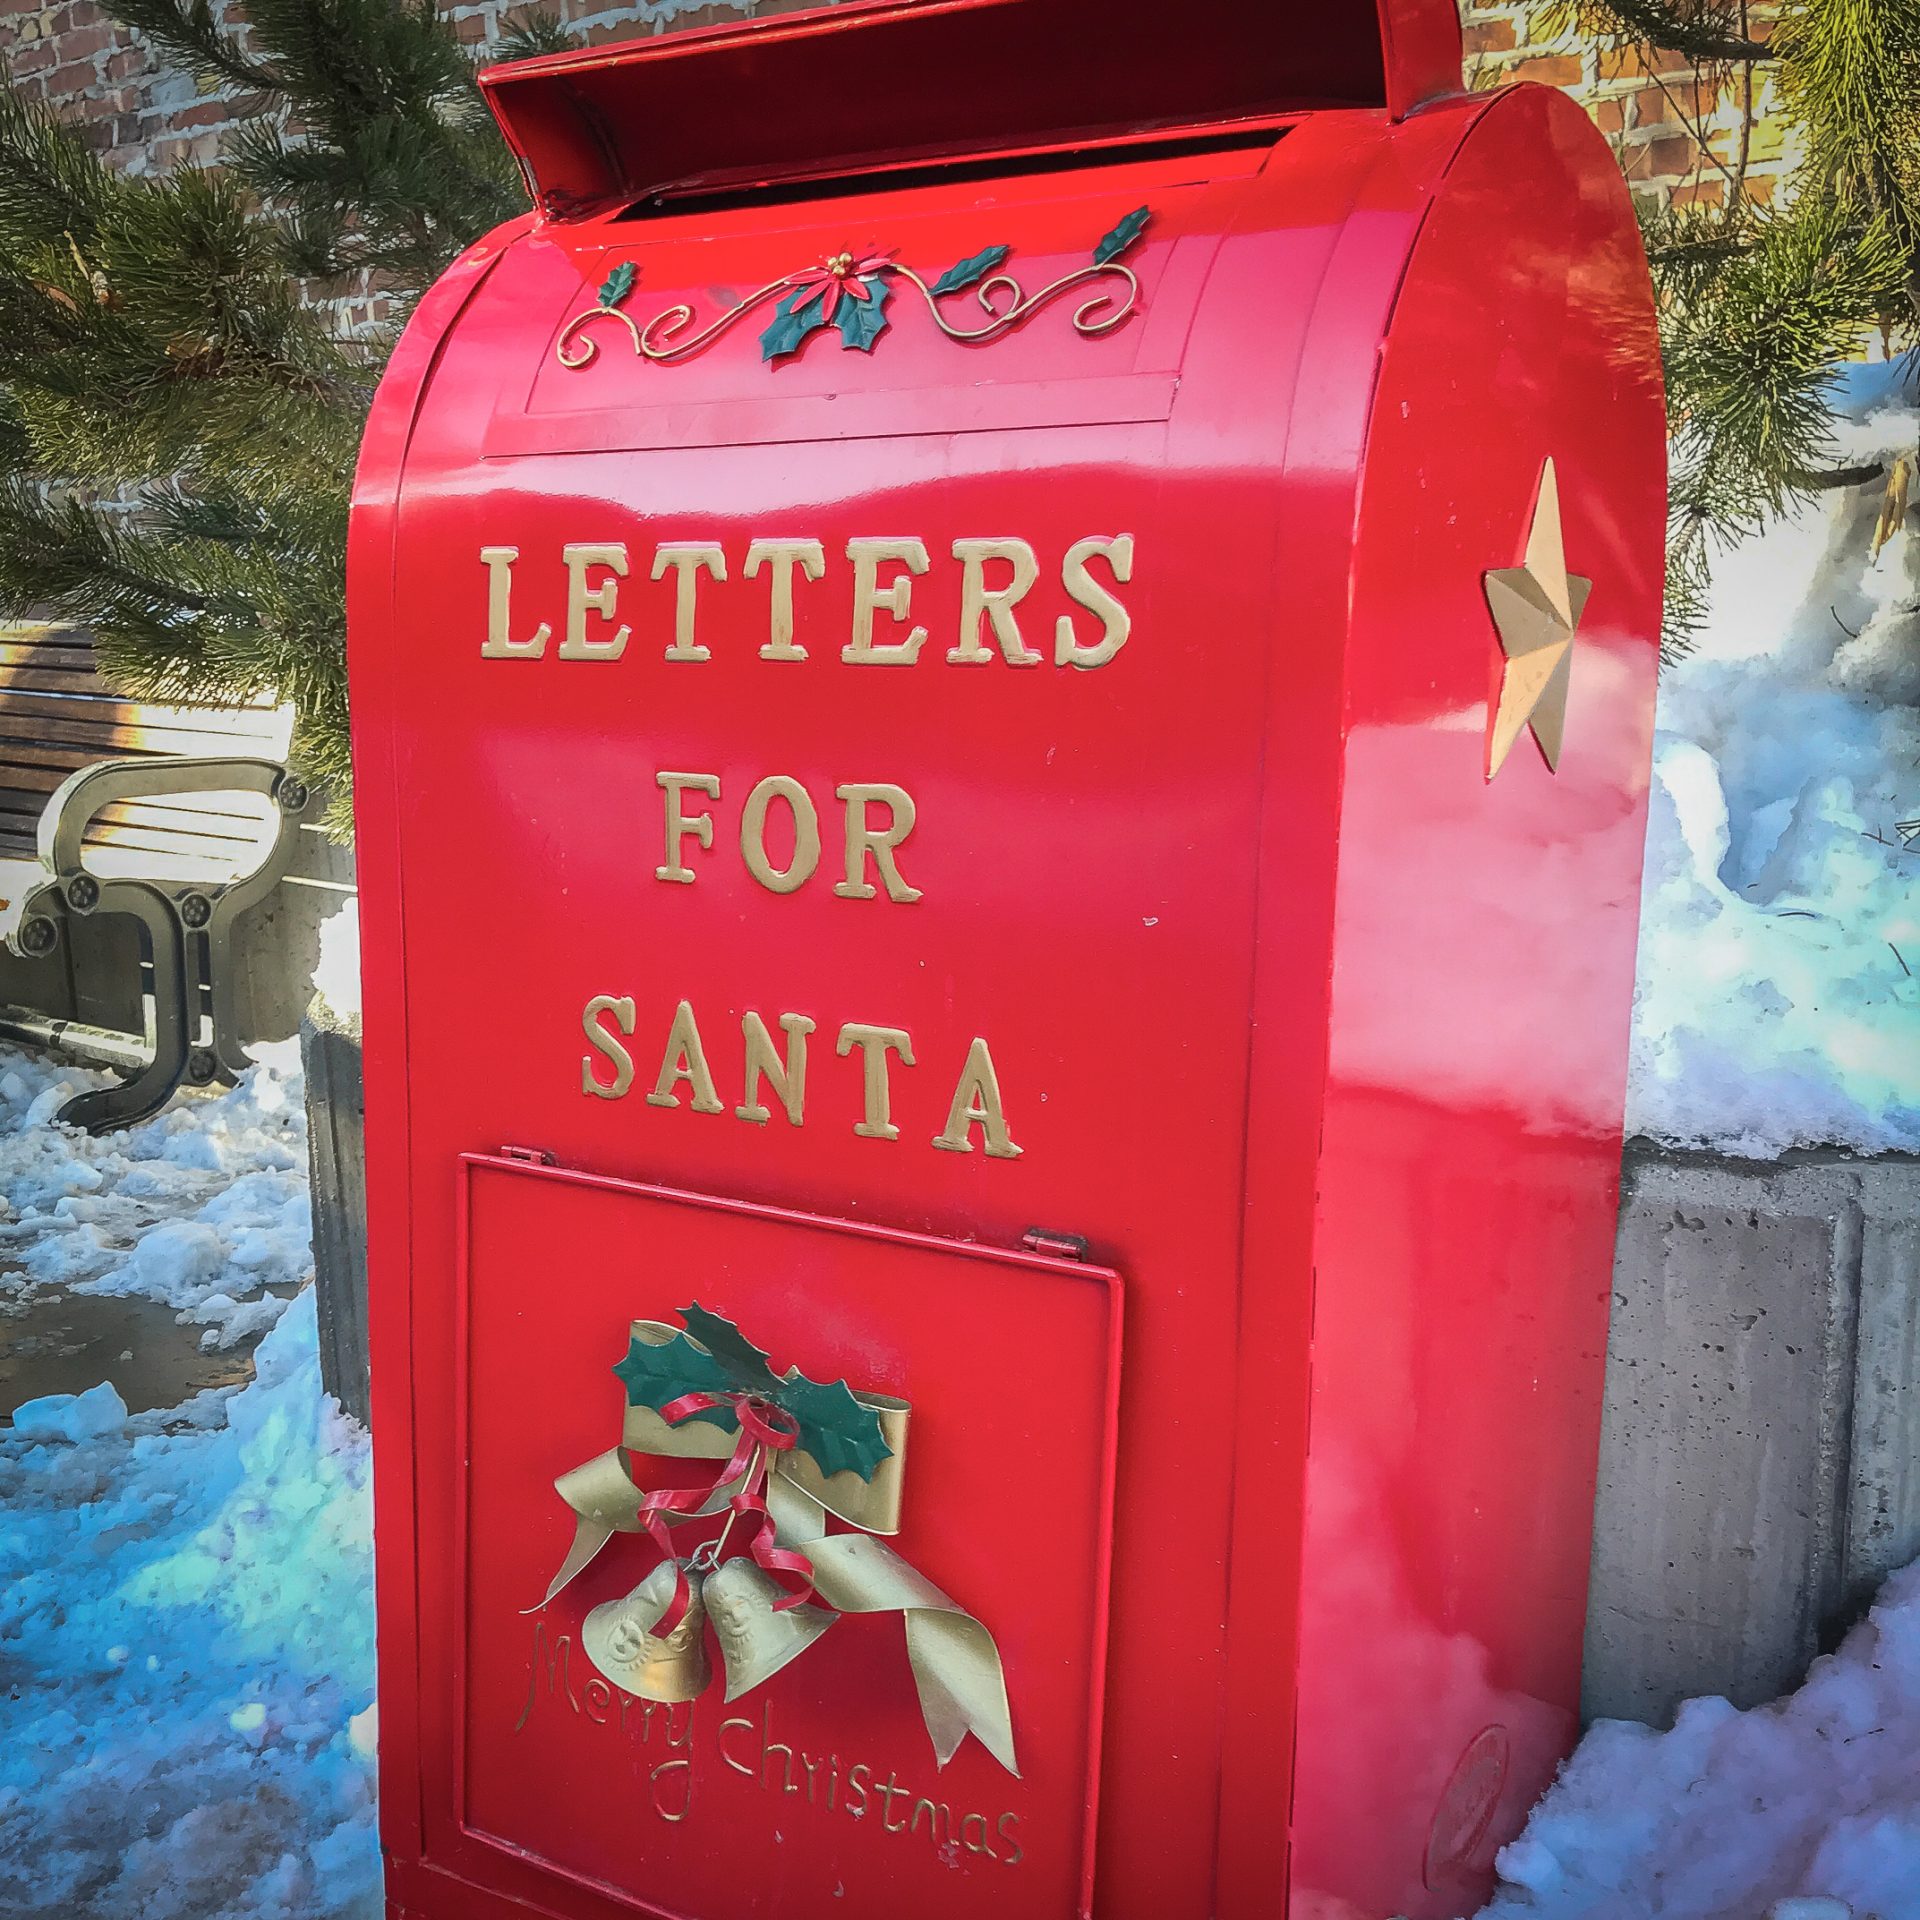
column 771, row 1570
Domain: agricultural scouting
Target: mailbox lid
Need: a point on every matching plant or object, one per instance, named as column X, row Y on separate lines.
column 879, row 81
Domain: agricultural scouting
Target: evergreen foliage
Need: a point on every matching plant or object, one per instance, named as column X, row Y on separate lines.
column 180, row 399
column 1760, row 305
column 181, row 402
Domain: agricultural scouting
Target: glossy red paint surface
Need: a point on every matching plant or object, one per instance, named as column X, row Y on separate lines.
column 1316, row 1036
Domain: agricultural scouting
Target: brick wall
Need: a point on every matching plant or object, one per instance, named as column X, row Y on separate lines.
column 1681, row 131
column 148, row 115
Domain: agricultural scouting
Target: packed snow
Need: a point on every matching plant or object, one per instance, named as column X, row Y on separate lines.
column 1810, row 1806
column 336, row 975
column 186, row 1611
column 203, row 1209
column 1779, row 982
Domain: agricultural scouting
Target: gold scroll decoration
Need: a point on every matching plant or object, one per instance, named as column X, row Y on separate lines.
column 954, row 1659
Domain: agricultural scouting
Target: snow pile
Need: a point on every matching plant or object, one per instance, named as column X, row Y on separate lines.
column 336, row 978
column 1815, row 1795
column 186, row 1626
column 1778, row 1003
column 186, row 1595
column 228, row 1172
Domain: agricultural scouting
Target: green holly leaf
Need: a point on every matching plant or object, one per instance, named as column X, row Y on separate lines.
column 793, row 319
column 965, row 272
column 862, row 322
column 1114, row 244
column 618, row 284
column 657, row 1376
column 834, row 1427
column 746, row 1366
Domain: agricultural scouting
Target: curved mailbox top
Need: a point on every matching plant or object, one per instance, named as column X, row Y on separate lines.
column 829, row 89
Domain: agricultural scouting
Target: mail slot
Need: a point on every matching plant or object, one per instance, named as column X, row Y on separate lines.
column 1002, row 670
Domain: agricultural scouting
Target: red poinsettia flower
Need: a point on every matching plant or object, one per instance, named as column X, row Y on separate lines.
column 842, row 274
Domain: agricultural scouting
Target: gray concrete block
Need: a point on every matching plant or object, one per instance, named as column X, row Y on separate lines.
column 1883, row 1495
column 336, row 1136
column 1760, row 1452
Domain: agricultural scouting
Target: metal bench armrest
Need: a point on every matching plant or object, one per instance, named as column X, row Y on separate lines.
column 82, row 796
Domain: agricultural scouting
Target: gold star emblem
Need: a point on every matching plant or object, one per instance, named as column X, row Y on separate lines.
column 1536, row 606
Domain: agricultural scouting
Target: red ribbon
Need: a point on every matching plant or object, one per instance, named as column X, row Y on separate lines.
column 793, row 1570
column 763, row 1425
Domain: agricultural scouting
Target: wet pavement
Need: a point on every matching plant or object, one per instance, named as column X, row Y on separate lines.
column 53, row 1341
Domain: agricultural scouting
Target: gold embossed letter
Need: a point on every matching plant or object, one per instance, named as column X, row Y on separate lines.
column 788, row 1078
column 780, row 558
column 583, row 599
column 880, row 842
column 685, row 1059
column 498, row 562
column 875, row 1043
column 995, row 605
column 600, row 1038
column 1115, row 621
column 686, row 558
column 976, row 1102
column 895, row 598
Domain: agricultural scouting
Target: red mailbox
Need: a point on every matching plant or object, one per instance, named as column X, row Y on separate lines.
column 1002, row 673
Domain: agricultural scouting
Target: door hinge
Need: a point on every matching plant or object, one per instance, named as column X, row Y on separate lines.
column 1062, row 1246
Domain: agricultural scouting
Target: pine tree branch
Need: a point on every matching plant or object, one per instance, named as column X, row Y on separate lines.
column 1694, row 28
column 1834, row 479
column 1696, row 127
column 178, row 417
column 188, row 29
column 50, row 183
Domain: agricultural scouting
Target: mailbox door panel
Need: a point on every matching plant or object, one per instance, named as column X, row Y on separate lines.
column 816, row 1783
column 592, row 385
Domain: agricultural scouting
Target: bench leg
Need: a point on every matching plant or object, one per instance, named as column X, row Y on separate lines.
column 232, row 1057
column 137, row 1099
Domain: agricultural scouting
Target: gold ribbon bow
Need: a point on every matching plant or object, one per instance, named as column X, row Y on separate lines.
column 955, row 1663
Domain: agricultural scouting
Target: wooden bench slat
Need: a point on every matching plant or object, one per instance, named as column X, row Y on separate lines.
column 17, row 650
column 226, row 854
column 233, row 853
column 58, row 714
column 148, row 737
column 35, row 677
column 22, row 711
column 74, row 670
column 25, row 789
column 20, row 814
column 118, row 862
column 230, row 824
column 128, row 713
column 62, row 638
column 42, row 768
